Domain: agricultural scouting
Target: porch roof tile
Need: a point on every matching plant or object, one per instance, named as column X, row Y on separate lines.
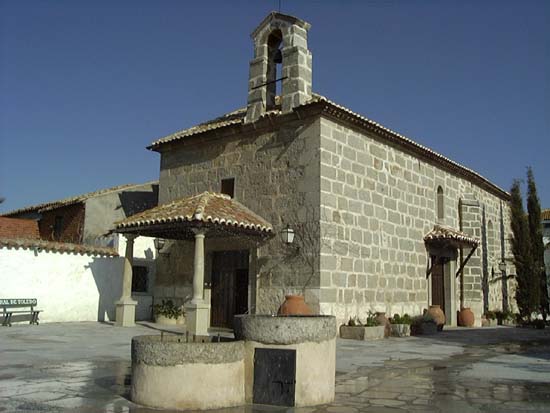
column 444, row 233
column 207, row 208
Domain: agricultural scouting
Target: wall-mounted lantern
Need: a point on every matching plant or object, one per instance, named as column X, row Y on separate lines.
column 159, row 245
column 288, row 235
column 502, row 266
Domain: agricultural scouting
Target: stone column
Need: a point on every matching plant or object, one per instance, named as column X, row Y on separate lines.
column 125, row 306
column 198, row 309
column 450, row 283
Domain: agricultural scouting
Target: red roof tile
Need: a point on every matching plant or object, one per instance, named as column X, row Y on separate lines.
column 47, row 206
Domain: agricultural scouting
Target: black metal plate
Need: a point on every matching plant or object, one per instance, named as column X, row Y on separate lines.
column 274, row 376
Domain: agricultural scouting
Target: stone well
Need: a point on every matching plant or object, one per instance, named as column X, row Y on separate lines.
column 170, row 373
column 308, row 345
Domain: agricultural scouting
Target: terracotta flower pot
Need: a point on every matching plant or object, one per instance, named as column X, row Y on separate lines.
column 466, row 317
column 294, row 305
column 438, row 315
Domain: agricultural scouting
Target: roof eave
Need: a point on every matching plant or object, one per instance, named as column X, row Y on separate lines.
column 355, row 120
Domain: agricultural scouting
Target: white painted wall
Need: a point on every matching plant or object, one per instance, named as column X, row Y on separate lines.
column 70, row 287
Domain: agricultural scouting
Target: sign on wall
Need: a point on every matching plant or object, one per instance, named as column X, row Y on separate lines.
column 18, row 301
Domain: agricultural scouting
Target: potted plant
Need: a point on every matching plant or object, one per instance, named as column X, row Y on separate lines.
column 423, row 324
column 506, row 318
column 489, row 319
column 168, row 313
column 400, row 325
column 369, row 330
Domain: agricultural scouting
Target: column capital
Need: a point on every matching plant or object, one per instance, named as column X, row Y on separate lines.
column 199, row 231
column 130, row 237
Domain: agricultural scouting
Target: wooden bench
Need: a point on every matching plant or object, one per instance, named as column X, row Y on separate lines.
column 8, row 314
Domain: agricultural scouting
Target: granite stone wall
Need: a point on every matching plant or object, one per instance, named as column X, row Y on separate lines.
column 276, row 175
column 377, row 203
column 360, row 208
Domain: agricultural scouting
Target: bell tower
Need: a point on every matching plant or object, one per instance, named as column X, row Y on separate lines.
column 279, row 40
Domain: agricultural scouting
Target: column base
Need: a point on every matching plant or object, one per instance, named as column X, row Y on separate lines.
column 197, row 318
column 125, row 312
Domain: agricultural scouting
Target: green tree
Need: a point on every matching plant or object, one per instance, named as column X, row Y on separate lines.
column 527, row 296
column 537, row 245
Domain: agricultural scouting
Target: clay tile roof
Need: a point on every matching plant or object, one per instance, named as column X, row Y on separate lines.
column 545, row 215
column 207, row 207
column 236, row 118
column 18, row 228
column 231, row 118
column 47, row 206
column 443, row 233
column 37, row 244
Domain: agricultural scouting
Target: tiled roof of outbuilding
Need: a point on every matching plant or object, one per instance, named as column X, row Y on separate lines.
column 37, row 244
column 332, row 109
column 18, row 228
column 207, row 207
column 47, row 206
column 444, row 233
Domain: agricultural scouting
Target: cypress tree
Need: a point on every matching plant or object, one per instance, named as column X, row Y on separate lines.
column 537, row 245
column 527, row 289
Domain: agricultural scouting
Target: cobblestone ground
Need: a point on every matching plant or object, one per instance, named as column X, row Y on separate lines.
column 85, row 367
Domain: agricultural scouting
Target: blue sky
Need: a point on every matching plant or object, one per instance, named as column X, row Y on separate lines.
column 85, row 86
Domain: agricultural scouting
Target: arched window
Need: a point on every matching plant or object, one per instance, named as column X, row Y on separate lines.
column 440, row 204
column 274, row 65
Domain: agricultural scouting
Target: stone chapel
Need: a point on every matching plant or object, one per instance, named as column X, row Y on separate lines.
column 378, row 221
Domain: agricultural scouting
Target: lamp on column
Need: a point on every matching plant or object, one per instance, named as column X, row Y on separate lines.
column 502, row 266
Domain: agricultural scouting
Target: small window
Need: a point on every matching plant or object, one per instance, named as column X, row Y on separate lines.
column 546, row 225
column 139, row 279
column 440, row 204
column 57, row 228
column 228, row 187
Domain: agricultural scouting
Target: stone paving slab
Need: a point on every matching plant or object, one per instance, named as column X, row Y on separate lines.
column 85, row 367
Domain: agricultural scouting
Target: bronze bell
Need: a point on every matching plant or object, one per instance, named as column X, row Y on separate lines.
column 278, row 56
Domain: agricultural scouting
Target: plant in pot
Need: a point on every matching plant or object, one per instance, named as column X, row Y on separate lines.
column 506, row 318
column 369, row 330
column 423, row 324
column 400, row 325
column 168, row 313
column 489, row 319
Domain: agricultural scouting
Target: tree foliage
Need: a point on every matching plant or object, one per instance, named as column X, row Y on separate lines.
column 527, row 296
column 537, row 245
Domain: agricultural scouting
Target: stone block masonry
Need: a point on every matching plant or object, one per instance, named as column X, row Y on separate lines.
column 277, row 176
column 377, row 203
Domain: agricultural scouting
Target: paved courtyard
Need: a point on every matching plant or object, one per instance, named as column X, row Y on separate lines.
column 85, row 367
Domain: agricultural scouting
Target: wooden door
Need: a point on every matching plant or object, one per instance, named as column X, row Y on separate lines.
column 229, row 294
column 438, row 286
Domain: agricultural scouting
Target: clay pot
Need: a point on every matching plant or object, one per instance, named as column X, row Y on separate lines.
column 438, row 315
column 466, row 317
column 294, row 305
column 383, row 320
